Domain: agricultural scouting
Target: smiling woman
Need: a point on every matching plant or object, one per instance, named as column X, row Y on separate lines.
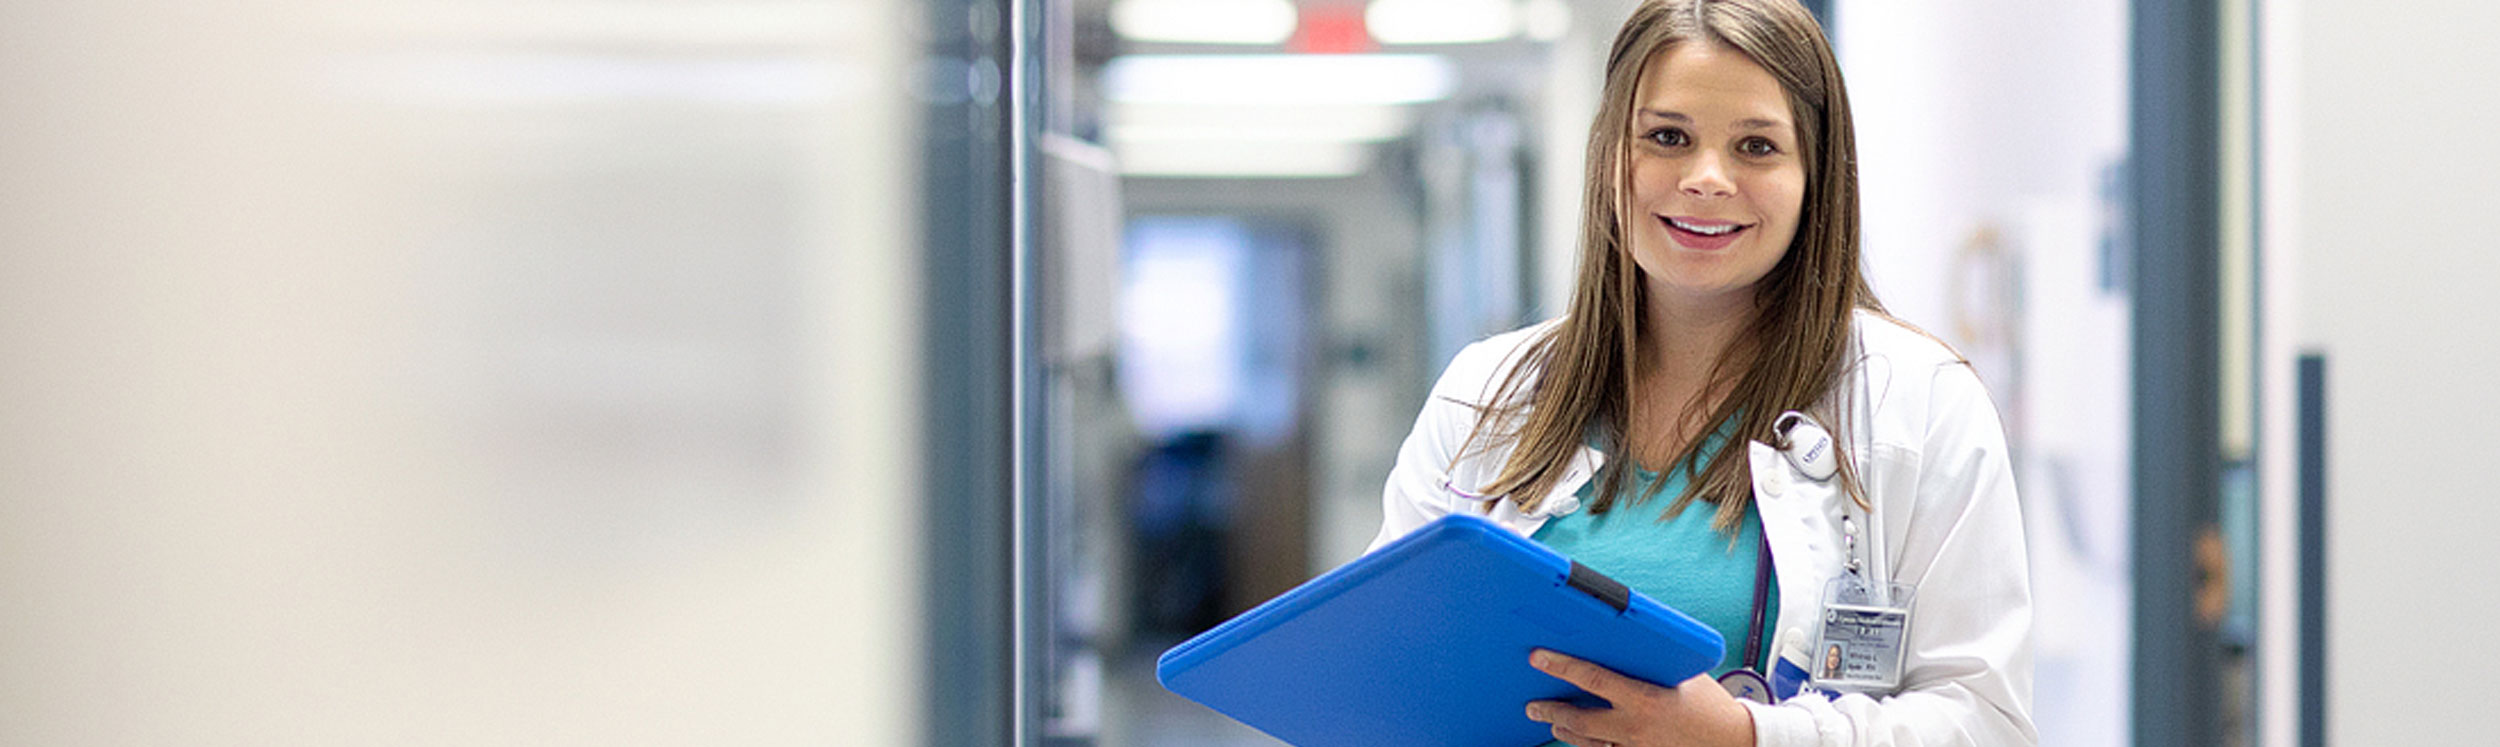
column 1714, row 164
column 1719, row 320
column 1678, row 140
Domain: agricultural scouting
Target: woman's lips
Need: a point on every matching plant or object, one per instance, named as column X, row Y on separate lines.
column 1702, row 241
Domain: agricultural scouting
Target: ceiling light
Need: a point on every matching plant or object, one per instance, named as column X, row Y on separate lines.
column 1273, row 159
column 1272, row 79
column 1204, row 21
column 1218, row 124
column 1544, row 20
column 1441, row 21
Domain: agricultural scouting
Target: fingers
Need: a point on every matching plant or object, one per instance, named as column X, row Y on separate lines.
column 1598, row 680
column 1573, row 725
column 1558, row 713
column 1577, row 739
column 1569, row 722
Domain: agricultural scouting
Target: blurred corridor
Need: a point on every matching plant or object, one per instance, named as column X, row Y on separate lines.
column 872, row 372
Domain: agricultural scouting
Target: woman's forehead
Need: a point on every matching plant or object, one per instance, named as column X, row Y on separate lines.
column 1707, row 81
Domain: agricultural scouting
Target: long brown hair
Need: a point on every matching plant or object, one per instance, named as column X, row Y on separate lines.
column 1575, row 382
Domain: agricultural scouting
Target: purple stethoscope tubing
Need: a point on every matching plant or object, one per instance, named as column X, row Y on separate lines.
column 1761, row 598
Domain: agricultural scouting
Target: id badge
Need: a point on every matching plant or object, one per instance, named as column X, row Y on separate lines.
column 1863, row 629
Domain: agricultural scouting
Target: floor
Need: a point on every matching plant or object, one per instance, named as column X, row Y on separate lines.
column 1138, row 712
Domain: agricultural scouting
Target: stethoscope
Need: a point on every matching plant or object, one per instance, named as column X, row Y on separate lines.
column 1809, row 447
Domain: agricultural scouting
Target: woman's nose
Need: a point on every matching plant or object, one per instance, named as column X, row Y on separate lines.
column 1707, row 178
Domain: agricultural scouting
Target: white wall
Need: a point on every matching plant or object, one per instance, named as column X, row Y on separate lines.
column 334, row 409
column 2396, row 174
column 1984, row 130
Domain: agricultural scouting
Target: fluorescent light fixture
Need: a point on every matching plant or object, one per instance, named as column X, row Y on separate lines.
column 1218, row 124
column 1544, row 20
column 1268, row 159
column 1204, row 21
column 1273, row 79
column 1441, row 21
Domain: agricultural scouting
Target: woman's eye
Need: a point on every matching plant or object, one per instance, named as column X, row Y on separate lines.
column 1757, row 147
column 1667, row 136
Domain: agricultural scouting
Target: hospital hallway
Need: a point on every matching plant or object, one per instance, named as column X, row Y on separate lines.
column 917, row 372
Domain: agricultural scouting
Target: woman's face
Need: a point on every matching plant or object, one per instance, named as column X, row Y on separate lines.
column 1717, row 178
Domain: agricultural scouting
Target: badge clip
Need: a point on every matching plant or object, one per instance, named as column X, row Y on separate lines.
column 1807, row 445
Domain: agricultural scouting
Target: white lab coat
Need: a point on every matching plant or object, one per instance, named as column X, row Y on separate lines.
column 1927, row 443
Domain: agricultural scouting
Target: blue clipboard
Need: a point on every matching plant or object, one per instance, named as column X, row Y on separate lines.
column 1425, row 642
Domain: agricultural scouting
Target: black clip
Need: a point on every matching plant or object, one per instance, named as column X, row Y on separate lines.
column 1607, row 590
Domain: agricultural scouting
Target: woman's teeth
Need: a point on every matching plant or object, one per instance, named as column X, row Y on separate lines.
column 1718, row 230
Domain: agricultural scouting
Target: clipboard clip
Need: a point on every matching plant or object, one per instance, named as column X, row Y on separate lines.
column 1607, row 590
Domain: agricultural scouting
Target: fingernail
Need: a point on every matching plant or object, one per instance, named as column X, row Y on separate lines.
column 1541, row 659
column 1535, row 713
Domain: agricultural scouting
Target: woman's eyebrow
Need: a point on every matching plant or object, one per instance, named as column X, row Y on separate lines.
column 1748, row 123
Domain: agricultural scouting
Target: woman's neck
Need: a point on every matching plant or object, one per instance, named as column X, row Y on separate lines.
column 1672, row 394
column 1683, row 341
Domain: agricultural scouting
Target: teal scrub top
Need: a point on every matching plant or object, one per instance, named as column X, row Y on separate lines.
column 1681, row 561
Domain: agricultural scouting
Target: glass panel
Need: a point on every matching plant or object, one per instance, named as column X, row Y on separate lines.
column 458, row 371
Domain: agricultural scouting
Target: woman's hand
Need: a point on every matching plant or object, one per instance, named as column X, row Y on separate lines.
column 1698, row 712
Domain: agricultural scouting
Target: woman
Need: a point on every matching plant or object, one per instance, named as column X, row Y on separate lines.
column 1720, row 304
